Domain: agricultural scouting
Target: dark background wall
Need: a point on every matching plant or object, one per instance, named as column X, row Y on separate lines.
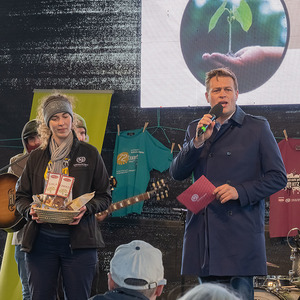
column 95, row 44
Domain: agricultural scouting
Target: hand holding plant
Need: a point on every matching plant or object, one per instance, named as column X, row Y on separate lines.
column 249, row 62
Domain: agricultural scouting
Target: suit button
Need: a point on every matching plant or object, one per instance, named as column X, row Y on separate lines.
column 210, row 154
column 229, row 213
column 228, row 181
column 228, row 153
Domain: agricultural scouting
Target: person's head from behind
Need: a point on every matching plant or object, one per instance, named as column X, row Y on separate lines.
column 137, row 266
column 222, row 87
column 209, row 291
column 30, row 135
column 81, row 128
column 56, row 118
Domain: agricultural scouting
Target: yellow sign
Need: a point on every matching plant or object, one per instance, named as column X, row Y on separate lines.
column 92, row 105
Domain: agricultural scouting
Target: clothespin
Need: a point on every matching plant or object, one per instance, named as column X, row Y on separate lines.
column 285, row 135
column 172, row 147
column 179, row 147
column 145, row 126
column 118, row 127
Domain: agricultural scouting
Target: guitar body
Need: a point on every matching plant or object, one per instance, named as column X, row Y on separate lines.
column 10, row 219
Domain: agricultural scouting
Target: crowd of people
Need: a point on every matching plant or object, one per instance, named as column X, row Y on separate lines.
column 224, row 243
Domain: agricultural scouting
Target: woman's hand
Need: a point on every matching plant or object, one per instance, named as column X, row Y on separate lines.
column 77, row 219
column 34, row 215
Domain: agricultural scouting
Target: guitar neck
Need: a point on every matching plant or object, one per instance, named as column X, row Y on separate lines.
column 127, row 202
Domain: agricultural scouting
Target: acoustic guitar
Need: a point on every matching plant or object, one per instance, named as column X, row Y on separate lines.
column 10, row 219
column 159, row 190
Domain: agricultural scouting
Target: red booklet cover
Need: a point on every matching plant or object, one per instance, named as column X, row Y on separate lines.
column 198, row 195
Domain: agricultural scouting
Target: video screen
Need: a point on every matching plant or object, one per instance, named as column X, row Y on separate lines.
column 259, row 40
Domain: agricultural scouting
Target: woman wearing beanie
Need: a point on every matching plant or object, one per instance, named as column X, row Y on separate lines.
column 53, row 248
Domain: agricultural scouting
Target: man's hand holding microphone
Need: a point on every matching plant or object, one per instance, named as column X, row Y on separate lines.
column 206, row 125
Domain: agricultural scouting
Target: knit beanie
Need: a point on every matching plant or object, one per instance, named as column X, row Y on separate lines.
column 56, row 104
column 81, row 122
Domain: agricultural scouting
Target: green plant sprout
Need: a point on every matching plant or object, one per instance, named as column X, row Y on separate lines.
column 242, row 14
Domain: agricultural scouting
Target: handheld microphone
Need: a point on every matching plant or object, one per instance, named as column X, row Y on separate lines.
column 216, row 112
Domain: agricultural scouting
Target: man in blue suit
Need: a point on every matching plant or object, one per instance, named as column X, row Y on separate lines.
column 238, row 153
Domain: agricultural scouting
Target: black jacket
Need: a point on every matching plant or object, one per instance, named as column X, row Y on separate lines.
column 88, row 168
column 120, row 294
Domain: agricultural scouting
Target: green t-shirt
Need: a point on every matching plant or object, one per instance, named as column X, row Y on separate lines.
column 136, row 153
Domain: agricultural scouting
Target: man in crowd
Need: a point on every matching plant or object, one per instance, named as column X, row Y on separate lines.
column 31, row 141
column 136, row 272
column 81, row 129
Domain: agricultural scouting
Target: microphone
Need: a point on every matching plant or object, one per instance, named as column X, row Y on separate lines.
column 216, row 112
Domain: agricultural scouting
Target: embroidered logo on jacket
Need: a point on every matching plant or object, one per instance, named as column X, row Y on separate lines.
column 81, row 159
column 81, row 162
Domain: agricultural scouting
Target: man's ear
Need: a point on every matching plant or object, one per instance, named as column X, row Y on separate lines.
column 159, row 290
column 237, row 94
column 111, row 284
column 206, row 96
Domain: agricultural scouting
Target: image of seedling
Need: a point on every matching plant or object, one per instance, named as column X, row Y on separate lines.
column 242, row 14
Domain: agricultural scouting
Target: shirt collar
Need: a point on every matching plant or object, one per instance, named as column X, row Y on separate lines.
column 218, row 124
column 237, row 116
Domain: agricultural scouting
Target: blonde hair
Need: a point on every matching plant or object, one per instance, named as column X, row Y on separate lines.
column 209, row 291
column 43, row 130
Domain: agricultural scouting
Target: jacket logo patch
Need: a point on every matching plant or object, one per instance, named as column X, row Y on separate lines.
column 80, row 162
column 80, row 159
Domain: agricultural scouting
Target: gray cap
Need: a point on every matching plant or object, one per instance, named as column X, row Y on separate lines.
column 30, row 129
column 56, row 104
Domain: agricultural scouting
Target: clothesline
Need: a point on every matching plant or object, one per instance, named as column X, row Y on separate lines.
column 157, row 127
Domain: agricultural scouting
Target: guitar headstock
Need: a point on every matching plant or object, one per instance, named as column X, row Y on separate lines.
column 160, row 189
column 112, row 182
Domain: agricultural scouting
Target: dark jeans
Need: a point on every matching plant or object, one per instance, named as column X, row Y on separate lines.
column 53, row 254
column 22, row 270
column 242, row 285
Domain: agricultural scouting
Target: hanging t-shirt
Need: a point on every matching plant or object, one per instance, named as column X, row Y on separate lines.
column 136, row 153
column 285, row 204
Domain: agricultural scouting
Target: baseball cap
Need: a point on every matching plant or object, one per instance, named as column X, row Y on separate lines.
column 30, row 129
column 137, row 266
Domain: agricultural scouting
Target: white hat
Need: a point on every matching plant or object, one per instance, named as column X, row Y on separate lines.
column 137, row 266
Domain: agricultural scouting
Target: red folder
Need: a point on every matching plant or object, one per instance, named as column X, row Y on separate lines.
column 198, row 195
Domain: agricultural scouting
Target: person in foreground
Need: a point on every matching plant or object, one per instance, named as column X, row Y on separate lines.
column 136, row 272
column 209, row 291
column 31, row 141
column 238, row 153
column 53, row 248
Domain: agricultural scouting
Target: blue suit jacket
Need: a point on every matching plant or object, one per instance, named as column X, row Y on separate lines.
column 228, row 239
